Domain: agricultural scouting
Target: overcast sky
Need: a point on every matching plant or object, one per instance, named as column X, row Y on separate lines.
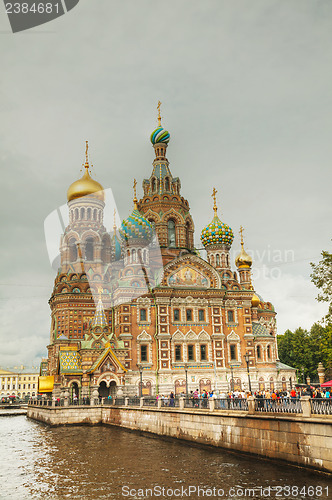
column 246, row 96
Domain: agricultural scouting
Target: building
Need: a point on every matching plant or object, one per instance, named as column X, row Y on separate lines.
column 19, row 384
column 132, row 313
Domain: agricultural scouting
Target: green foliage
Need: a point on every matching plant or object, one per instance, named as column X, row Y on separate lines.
column 306, row 349
column 321, row 276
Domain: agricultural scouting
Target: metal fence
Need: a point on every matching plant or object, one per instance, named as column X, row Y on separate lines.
column 321, row 406
column 231, row 404
column 282, row 405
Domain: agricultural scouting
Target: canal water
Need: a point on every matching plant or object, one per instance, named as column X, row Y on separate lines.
column 90, row 463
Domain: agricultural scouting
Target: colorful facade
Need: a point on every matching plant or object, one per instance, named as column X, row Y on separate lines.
column 134, row 313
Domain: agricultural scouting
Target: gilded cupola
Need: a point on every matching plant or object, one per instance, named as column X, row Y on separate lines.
column 243, row 259
column 86, row 185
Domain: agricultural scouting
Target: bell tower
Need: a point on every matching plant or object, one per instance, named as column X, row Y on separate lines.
column 162, row 203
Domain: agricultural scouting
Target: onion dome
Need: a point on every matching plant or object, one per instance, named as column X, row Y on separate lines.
column 243, row 259
column 136, row 227
column 86, row 185
column 217, row 232
column 160, row 135
column 255, row 300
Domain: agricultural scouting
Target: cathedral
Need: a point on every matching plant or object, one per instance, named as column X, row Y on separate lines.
column 138, row 311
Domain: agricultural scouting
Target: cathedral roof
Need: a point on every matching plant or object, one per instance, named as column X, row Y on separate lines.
column 70, row 362
column 99, row 317
column 259, row 330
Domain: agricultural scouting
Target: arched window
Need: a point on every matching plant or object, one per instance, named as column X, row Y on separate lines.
column 232, row 348
column 153, row 185
column 89, row 249
column 134, row 255
column 142, row 315
column 76, row 213
column 269, row 352
column 95, row 214
column 167, row 184
column 72, row 250
column 82, row 213
column 217, row 260
column 171, row 233
column 259, row 352
column 89, row 213
column 230, row 316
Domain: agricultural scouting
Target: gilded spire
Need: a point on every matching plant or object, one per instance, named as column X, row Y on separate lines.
column 215, row 209
column 159, row 116
column 243, row 259
column 135, row 197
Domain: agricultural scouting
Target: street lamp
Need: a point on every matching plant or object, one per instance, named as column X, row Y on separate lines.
column 141, row 380
column 232, row 379
column 246, row 358
column 303, row 374
column 186, row 370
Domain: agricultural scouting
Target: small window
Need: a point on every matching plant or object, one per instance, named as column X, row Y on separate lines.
column 259, row 352
column 233, row 351
column 176, row 314
column 191, row 353
column 230, row 316
column 178, row 356
column 189, row 314
column 203, row 352
column 144, row 352
column 171, row 233
column 201, row 315
column 269, row 352
column 142, row 315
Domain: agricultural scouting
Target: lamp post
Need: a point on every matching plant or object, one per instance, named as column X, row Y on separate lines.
column 303, row 374
column 186, row 370
column 246, row 358
column 232, row 379
column 141, row 380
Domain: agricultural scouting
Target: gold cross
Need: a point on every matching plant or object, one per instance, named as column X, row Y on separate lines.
column 135, row 197
column 159, row 116
column 214, row 192
column 241, row 233
column 86, row 153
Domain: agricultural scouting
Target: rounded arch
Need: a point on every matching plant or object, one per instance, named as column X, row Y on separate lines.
column 108, row 377
column 171, row 232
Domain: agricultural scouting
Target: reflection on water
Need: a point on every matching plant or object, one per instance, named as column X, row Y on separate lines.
column 40, row 462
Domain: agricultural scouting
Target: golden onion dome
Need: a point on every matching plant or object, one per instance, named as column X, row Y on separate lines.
column 243, row 259
column 84, row 187
column 255, row 300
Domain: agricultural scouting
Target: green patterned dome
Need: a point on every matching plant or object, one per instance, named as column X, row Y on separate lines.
column 136, row 227
column 217, row 233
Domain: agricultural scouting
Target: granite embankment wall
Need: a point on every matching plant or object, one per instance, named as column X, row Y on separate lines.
column 296, row 439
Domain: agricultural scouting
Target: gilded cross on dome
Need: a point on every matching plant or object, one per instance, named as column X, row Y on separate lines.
column 214, row 192
column 159, row 116
column 135, row 197
column 241, row 233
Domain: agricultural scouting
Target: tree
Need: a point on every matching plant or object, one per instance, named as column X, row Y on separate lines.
column 322, row 278
column 303, row 349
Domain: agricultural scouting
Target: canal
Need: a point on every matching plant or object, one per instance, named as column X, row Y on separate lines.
column 90, row 463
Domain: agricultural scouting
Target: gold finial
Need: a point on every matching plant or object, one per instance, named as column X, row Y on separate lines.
column 241, row 233
column 135, row 197
column 214, row 192
column 159, row 116
column 86, row 154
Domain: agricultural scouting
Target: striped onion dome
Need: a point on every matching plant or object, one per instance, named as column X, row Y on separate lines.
column 160, row 135
column 217, row 233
